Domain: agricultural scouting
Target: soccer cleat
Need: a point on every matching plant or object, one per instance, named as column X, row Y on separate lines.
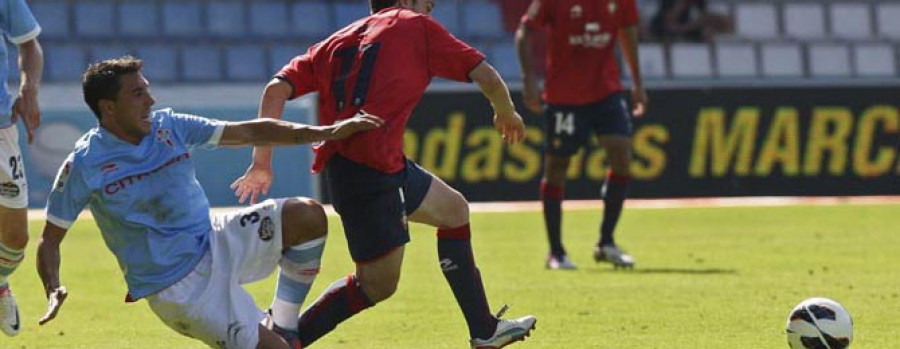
column 560, row 262
column 292, row 337
column 507, row 332
column 612, row 254
column 9, row 312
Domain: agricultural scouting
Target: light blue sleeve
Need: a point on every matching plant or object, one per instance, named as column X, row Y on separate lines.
column 69, row 196
column 18, row 21
column 197, row 131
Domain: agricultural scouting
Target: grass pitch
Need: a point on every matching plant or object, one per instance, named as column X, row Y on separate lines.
column 705, row 278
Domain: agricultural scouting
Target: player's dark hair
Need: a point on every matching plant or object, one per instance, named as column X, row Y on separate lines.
column 378, row 5
column 101, row 80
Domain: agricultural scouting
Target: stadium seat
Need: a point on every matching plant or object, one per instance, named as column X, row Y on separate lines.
column 804, row 20
column 182, row 19
column 875, row 61
column 64, row 62
column 736, row 60
column 279, row 55
column 102, row 52
column 506, row 61
column 160, row 62
column 888, row 25
column 201, row 63
column 53, row 17
column 348, row 12
column 652, row 61
column 756, row 20
column 312, row 20
column 269, row 19
column 94, row 19
column 482, row 19
column 690, row 60
column 828, row 60
column 246, row 63
column 851, row 21
column 138, row 19
column 447, row 13
column 781, row 60
column 225, row 19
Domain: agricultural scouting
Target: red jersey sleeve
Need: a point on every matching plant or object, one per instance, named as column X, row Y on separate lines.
column 299, row 73
column 537, row 15
column 448, row 57
column 629, row 13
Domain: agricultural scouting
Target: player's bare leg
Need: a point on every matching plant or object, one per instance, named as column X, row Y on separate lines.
column 13, row 239
column 618, row 150
column 552, row 196
column 446, row 209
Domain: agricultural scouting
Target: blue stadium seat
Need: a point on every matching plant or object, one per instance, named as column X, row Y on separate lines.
column 94, row 19
column 269, row 18
column 64, row 63
column 182, row 18
column 482, row 19
column 226, row 19
column 282, row 54
column 138, row 19
column 201, row 63
column 101, row 52
column 505, row 60
column 348, row 12
column 160, row 62
column 53, row 17
column 312, row 20
column 246, row 63
column 447, row 13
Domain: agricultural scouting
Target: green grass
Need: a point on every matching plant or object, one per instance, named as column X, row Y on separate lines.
column 705, row 278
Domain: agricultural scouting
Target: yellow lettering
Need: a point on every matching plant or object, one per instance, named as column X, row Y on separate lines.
column 829, row 132
column 483, row 162
column 863, row 164
column 411, row 144
column 782, row 144
column 449, row 141
column 576, row 163
column 649, row 156
column 711, row 142
column 529, row 159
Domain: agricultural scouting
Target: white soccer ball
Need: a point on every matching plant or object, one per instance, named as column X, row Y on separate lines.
column 819, row 323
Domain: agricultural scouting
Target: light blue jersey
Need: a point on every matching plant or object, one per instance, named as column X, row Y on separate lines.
column 145, row 198
column 18, row 25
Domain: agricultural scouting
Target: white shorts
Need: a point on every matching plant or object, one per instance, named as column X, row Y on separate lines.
column 209, row 304
column 13, row 186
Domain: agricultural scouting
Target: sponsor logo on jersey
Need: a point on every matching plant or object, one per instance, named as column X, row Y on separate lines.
column 576, row 11
column 124, row 183
column 266, row 229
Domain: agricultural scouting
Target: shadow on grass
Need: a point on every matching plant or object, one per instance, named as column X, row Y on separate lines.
column 685, row 271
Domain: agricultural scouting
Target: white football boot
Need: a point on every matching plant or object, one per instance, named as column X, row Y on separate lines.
column 9, row 313
column 612, row 254
column 507, row 332
column 560, row 262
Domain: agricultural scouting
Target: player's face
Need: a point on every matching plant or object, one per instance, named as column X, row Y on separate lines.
column 131, row 109
column 420, row 6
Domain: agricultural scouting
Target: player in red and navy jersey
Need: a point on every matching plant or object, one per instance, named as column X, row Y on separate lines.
column 583, row 95
column 381, row 65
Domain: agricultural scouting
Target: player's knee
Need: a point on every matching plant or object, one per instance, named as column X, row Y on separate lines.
column 380, row 287
column 457, row 211
column 306, row 217
column 15, row 239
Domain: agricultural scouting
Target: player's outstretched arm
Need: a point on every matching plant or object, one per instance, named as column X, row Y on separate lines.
column 628, row 40
column 506, row 120
column 48, row 260
column 31, row 59
column 270, row 132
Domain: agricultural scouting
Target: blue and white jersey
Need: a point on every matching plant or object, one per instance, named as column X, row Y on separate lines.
column 18, row 25
column 145, row 198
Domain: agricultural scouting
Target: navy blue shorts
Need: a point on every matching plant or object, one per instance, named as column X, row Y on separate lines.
column 374, row 205
column 568, row 128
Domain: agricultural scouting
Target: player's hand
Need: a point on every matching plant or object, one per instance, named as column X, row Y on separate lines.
column 510, row 126
column 256, row 180
column 531, row 95
column 361, row 122
column 639, row 100
column 26, row 107
column 55, row 299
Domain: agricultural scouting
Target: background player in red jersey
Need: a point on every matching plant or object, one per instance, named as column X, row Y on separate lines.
column 381, row 65
column 583, row 96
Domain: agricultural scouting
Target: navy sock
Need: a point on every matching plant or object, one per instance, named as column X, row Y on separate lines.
column 551, row 197
column 458, row 266
column 341, row 300
column 614, row 192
